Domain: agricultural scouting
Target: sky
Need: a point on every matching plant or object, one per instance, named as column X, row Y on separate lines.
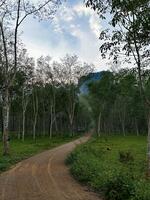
column 74, row 30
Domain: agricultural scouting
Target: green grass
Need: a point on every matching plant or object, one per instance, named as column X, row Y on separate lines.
column 113, row 166
column 21, row 150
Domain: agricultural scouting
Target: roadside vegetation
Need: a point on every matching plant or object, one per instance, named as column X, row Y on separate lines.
column 126, row 38
column 114, row 166
column 22, row 150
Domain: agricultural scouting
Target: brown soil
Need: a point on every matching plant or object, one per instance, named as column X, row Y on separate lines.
column 44, row 177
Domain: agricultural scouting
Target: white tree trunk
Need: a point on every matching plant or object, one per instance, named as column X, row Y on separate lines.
column 136, row 126
column 35, row 111
column 23, row 125
column 34, row 127
column 24, row 108
column 1, row 118
column 51, row 123
column 99, row 125
column 123, row 127
column 71, row 116
column 6, row 123
column 44, row 128
column 19, row 129
column 54, row 109
column 71, row 123
column 148, row 149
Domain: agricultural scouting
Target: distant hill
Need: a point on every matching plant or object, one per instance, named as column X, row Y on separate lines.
column 84, row 81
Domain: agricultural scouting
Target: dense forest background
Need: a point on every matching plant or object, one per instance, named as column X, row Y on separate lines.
column 45, row 101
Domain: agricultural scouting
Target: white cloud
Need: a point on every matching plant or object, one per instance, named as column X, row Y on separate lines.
column 68, row 21
column 95, row 25
column 68, row 14
column 81, row 9
column 64, row 15
column 94, row 21
column 57, row 26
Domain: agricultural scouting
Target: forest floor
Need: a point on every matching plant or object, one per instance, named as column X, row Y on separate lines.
column 44, row 176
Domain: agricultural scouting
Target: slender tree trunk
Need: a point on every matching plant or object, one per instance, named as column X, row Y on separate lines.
column 43, row 120
column 99, row 125
column 51, row 123
column 19, row 129
column 23, row 125
column 34, row 127
column 148, row 149
column 35, row 112
column 12, row 120
column 71, row 118
column 1, row 119
column 54, row 109
column 6, row 123
column 123, row 128
column 71, row 127
column 136, row 126
column 44, row 128
column 55, row 120
column 24, row 108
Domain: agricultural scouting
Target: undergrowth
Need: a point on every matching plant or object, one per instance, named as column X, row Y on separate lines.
column 113, row 166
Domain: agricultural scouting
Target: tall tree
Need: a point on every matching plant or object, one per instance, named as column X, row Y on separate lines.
column 129, row 34
column 72, row 70
column 101, row 96
column 12, row 15
column 27, row 73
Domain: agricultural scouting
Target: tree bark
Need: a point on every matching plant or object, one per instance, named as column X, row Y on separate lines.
column 35, row 111
column 99, row 125
column 44, row 128
column 24, row 108
column 34, row 127
column 71, row 113
column 51, row 123
column 6, row 123
column 1, row 117
column 23, row 125
column 54, row 109
column 148, row 148
column 19, row 129
column 44, row 118
column 123, row 128
column 137, row 128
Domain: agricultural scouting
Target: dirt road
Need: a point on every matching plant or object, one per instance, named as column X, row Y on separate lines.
column 44, row 177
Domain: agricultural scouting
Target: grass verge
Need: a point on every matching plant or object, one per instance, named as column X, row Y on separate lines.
column 113, row 166
column 22, row 150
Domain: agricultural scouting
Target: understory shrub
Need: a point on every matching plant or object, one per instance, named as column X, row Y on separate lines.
column 115, row 178
column 121, row 187
column 125, row 156
column 85, row 169
column 142, row 190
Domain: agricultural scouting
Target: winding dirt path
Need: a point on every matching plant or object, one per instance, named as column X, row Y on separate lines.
column 44, row 177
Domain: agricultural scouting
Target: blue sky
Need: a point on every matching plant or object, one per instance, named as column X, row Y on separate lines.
column 75, row 30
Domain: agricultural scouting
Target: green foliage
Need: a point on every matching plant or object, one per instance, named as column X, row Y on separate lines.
column 120, row 187
column 116, row 177
column 129, row 23
column 115, row 102
column 142, row 190
column 125, row 157
column 4, row 163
